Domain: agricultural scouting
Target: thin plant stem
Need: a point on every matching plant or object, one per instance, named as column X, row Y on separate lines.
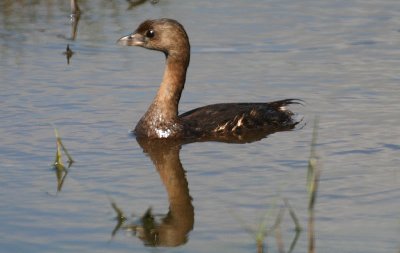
column 313, row 176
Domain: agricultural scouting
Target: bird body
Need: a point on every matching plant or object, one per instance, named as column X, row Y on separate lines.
column 212, row 122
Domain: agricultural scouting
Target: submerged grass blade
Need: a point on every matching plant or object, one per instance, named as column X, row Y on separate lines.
column 293, row 215
column 278, row 234
column 294, row 242
column 262, row 230
column 313, row 169
column 312, row 187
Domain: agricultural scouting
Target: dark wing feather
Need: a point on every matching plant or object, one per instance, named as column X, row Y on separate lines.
column 237, row 119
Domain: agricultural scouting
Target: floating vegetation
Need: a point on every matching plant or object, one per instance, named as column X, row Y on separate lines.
column 58, row 165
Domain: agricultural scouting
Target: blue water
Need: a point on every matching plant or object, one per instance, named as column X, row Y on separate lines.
column 341, row 57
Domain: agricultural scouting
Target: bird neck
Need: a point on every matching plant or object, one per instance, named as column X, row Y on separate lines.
column 167, row 99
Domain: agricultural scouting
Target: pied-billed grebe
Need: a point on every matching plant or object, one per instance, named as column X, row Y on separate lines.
column 209, row 122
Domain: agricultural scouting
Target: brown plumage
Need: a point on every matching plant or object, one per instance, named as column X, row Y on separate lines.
column 231, row 122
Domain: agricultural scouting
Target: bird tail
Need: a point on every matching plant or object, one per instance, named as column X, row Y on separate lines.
column 278, row 105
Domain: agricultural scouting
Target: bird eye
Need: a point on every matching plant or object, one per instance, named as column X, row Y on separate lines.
column 150, row 33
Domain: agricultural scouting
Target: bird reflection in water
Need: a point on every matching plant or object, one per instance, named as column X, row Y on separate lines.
column 171, row 229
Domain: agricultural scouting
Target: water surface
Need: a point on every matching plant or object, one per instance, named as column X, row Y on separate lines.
column 341, row 57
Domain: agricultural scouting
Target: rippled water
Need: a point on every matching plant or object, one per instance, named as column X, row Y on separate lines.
column 341, row 57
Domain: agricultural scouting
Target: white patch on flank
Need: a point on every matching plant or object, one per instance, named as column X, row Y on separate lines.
column 221, row 128
column 282, row 108
column 240, row 121
column 161, row 133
